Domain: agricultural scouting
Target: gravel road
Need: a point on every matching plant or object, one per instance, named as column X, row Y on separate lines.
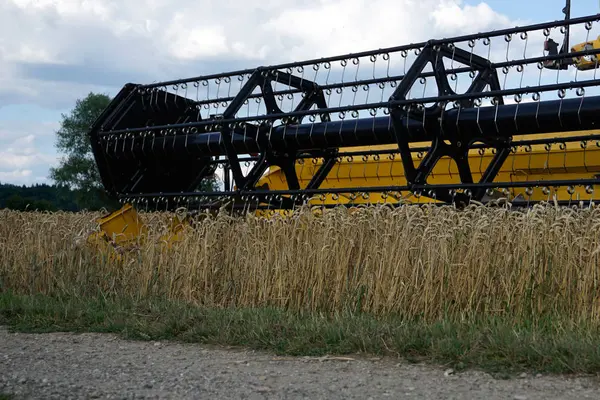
column 76, row 366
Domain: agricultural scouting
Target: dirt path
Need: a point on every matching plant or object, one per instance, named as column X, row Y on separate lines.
column 62, row 366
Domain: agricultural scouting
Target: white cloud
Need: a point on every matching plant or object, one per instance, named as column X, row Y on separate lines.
column 17, row 176
column 331, row 27
column 454, row 19
column 13, row 131
column 26, row 151
column 22, row 177
column 23, row 157
column 10, row 160
column 196, row 43
column 160, row 38
column 67, row 48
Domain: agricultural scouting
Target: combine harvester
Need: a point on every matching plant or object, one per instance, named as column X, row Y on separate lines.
column 497, row 115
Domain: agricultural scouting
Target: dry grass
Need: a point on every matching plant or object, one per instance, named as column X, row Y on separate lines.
column 419, row 262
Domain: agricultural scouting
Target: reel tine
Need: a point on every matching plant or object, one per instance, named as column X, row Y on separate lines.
column 365, row 161
column 350, row 160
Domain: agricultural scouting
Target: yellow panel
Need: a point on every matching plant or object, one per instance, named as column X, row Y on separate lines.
column 531, row 164
column 122, row 226
column 587, row 62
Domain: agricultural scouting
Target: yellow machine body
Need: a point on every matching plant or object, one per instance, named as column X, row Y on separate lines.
column 572, row 160
column 122, row 227
column 124, row 230
column 587, row 62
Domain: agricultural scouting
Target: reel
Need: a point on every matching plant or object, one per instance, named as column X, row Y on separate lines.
column 476, row 118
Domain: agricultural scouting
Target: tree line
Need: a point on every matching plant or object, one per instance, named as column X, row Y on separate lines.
column 40, row 197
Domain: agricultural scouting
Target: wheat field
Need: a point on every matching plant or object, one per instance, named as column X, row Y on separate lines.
column 417, row 262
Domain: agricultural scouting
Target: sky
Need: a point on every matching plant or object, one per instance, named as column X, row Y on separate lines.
column 53, row 52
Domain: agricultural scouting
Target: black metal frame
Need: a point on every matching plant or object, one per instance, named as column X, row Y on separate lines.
column 457, row 145
column 450, row 132
column 263, row 78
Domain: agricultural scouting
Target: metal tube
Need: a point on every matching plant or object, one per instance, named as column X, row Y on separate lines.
column 373, row 189
column 515, row 119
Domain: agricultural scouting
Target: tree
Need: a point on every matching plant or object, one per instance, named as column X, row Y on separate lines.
column 78, row 169
column 18, row 203
column 42, row 197
column 209, row 184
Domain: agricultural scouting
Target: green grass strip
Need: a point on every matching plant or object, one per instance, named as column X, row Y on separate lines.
column 495, row 345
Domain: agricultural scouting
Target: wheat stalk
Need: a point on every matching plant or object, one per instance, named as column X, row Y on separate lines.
column 428, row 262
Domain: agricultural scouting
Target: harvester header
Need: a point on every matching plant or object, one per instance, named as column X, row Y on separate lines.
column 477, row 117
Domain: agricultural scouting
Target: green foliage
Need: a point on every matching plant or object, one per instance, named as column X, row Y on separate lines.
column 16, row 202
column 209, row 184
column 78, row 169
column 40, row 197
